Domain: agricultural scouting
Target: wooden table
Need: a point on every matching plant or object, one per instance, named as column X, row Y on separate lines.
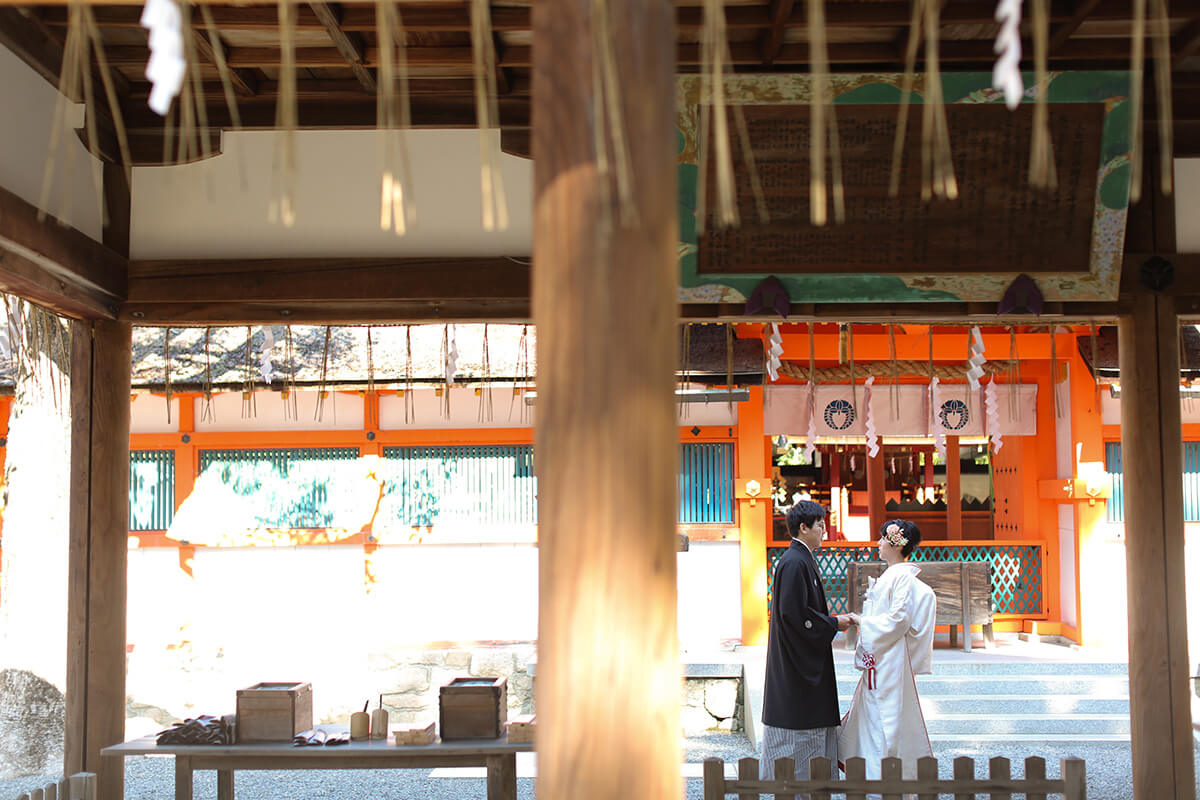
column 497, row 755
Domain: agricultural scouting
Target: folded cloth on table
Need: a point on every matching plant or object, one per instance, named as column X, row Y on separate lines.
column 201, row 730
column 317, row 737
column 310, row 738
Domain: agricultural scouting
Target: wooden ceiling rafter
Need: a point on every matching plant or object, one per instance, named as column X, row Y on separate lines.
column 350, row 46
column 1059, row 34
column 244, row 81
column 780, row 14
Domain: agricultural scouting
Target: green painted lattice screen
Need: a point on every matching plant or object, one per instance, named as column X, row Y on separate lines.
column 302, row 487
column 1016, row 572
column 478, row 484
column 151, row 489
column 1116, row 478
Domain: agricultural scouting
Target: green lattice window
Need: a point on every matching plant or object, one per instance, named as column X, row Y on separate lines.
column 151, row 489
column 303, row 487
column 1016, row 572
column 475, row 484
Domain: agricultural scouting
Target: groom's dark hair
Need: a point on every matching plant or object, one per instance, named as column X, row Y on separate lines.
column 805, row 512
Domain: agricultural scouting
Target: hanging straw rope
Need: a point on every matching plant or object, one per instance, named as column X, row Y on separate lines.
column 218, row 52
column 824, row 123
column 906, row 89
column 207, row 412
column 371, row 400
column 249, row 401
column 1042, row 174
column 167, row 369
column 485, row 391
column 284, row 166
column 74, row 82
column 608, row 123
column 323, row 384
column 393, row 118
column 410, row 406
column 291, row 404
column 487, row 116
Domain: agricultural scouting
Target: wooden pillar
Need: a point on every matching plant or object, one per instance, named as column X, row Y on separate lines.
column 1152, row 450
column 99, row 529
column 754, row 519
column 604, row 302
column 953, row 489
column 876, row 500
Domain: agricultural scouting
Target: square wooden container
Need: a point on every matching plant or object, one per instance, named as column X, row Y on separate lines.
column 273, row 711
column 473, row 708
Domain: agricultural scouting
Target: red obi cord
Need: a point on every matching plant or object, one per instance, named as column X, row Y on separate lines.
column 869, row 662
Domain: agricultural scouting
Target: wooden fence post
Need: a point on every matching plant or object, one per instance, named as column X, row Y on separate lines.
column 714, row 779
column 999, row 769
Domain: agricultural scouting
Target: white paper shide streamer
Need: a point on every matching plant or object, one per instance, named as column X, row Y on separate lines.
column 774, row 351
column 266, row 368
column 991, row 406
column 872, row 436
column 976, row 360
column 1006, row 75
column 166, row 67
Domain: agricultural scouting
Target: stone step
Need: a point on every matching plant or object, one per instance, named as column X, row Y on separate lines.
column 1018, row 704
column 844, row 663
column 957, row 741
column 1030, row 685
column 968, row 725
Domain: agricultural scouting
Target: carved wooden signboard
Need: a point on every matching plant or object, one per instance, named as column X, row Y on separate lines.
column 1069, row 239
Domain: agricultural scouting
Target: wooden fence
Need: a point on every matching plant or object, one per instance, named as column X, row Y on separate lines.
column 80, row 786
column 1071, row 785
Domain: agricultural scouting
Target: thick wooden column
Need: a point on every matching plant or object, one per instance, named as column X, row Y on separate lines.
column 953, row 489
column 1152, row 450
column 95, row 718
column 876, row 500
column 604, row 301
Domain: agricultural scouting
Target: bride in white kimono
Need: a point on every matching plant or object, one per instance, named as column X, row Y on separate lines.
column 895, row 643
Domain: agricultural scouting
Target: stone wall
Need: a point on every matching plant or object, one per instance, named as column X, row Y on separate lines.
column 409, row 681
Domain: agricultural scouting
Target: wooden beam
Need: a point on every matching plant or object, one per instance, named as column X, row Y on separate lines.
column 427, row 112
column 287, row 280
column 1060, row 33
column 333, row 90
column 1152, row 449
column 116, row 209
column 98, row 547
column 1185, row 43
column 876, row 499
column 604, row 306
column 56, row 266
column 772, row 40
column 435, row 18
column 351, row 49
column 328, row 312
column 243, row 80
column 954, row 529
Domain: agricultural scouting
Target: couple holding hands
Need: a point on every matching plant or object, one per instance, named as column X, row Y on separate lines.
column 801, row 718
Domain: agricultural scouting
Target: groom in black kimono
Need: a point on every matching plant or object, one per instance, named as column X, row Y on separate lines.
column 800, row 706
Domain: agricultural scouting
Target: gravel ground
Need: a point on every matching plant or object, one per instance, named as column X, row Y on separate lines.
column 152, row 778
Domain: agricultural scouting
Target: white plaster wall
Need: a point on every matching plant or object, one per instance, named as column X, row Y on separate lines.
column 301, row 613
column 28, row 101
column 218, row 208
column 148, row 414
column 1110, row 408
column 342, row 411
column 1187, row 205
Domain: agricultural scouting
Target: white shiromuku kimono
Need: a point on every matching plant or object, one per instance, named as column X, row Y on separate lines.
column 895, row 642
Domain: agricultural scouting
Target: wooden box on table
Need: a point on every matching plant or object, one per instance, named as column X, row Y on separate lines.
column 473, row 708
column 273, row 711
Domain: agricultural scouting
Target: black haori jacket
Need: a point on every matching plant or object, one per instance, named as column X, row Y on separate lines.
column 801, row 687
